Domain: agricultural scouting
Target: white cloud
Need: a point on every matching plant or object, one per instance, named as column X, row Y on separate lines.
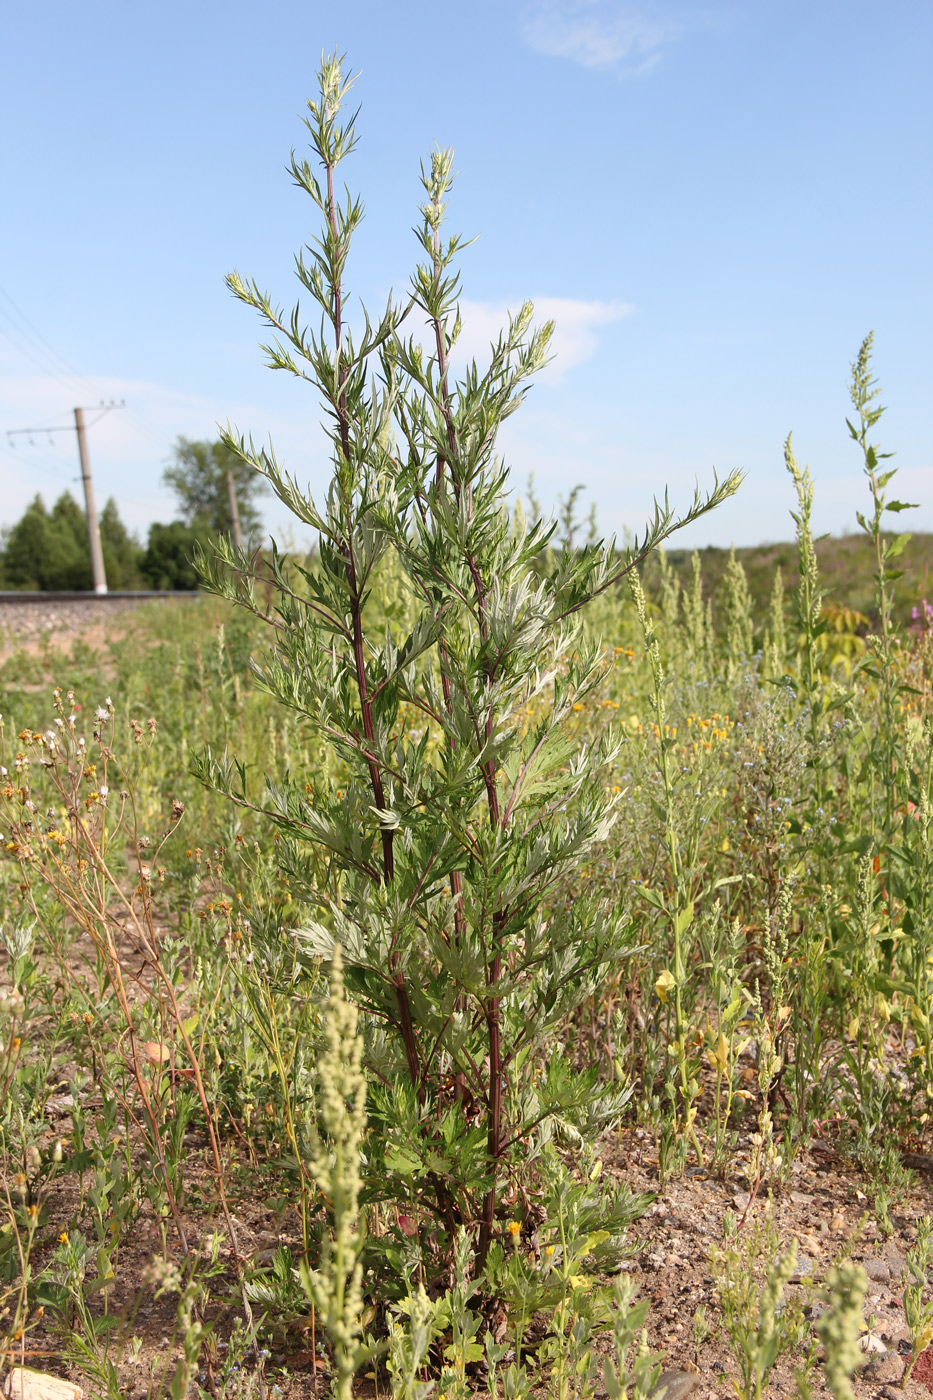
column 576, row 334
column 608, row 34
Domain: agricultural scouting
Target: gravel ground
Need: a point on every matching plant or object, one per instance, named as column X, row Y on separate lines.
column 29, row 620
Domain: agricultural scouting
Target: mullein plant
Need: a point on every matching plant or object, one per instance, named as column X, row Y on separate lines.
column 863, row 392
column 464, row 801
column 899, row 761
column 676, row 903
column 880, row 664
column 335, row 1287
column 839, row 1327
column 775, row 648
column 809, row 683
column 695, row 620
column 738, row 612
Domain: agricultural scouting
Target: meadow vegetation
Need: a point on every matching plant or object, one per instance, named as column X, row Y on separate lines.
column 354, row 916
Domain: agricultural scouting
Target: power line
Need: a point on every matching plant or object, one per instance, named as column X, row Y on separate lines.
column 42, row 464
column 37, row 347
column 101, row 409
column 48, row 431
column 154, row 433
column 29, row 341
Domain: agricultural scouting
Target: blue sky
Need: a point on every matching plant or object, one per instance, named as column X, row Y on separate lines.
column 715, row 200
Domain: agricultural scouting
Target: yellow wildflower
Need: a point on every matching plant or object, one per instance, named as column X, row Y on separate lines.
column 664, row 985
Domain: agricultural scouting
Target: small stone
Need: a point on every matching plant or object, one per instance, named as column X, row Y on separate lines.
column 674, row 1385
column 878, row 1270
column 24, row 1384
column 892, row 1331
column 871, row 1344
column 60, row 1104
column 886, row 1368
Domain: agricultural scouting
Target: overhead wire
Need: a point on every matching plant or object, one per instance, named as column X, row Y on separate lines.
column 29, row 341
column 39, row 349
column 42, row 465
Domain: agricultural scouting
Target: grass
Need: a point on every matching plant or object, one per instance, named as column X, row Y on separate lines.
column 846, row 568
column 162, row 1017
column 352, row 932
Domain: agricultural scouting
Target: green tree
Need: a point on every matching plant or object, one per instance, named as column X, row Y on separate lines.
column 120, row 549
column 166, row 562
column 47, row 550
column 198, row 476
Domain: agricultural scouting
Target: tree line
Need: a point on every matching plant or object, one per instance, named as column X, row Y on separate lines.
column 47, row 549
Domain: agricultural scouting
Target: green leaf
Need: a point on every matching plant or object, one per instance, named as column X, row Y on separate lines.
column 315, row 940
column 683, row 919
column 902, row 505
column 897, row 546
column 398, row 1160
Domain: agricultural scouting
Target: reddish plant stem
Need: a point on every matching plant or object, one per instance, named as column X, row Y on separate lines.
column 494, row 1133
column 406, row 1024
column 456, row 879
column 492, row 1001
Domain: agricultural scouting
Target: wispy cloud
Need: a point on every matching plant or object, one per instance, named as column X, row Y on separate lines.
column 130, row 447
column 576, row 334
column 607, row 34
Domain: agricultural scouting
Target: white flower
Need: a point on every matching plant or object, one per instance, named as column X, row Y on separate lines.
column 101, row 713
column 103, row 790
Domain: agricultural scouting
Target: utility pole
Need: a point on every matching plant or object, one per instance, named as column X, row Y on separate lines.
column 234, row 511
column 90, row 507
column 93, row 526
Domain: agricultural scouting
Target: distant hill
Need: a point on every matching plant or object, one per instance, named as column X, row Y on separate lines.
column 846, row 567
